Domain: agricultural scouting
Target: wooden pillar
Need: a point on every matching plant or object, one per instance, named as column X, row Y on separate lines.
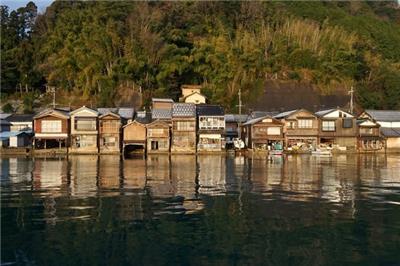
column 59, row 144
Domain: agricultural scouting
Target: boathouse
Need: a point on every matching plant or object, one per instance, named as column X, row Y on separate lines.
column 84, row 130
column 135, row 133
column 211, row 127
column 109, row 132
column 337, row 128
column 300, row 129
column 158, row 137
column 233, row 123
column 263, row 134
column 369, row 138
column 183, row 135
column 51, row 128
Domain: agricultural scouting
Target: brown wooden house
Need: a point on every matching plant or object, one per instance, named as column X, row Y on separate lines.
column 84, row 131
column 337, row 128
column 51, row 128
column 369, row 137
column 158, row 137
column 263, row 134
column 301, row 129
column 109, row 133
column 183, row 133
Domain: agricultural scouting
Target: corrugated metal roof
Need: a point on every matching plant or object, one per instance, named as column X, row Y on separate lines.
column 384, row 115
column 236, row 118
column 161, row 114
column 4, row 115
column 390, row 132
column 324, row 112
column 126, row 112
column 256, row 120
column 183, row 110
column 8, row 134
column 167, row 100
column 210, row 110
column 257, row 114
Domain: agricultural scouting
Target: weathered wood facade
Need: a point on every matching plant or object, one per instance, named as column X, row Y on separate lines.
column 301, row 129
column 52, row 129
column 211, row 128
column 337, row 127
column 369, row 138
column 183, row 135
column 158, row 137
column 263, row 134
column 109, row 133
column 134, row 136
column 84, row 131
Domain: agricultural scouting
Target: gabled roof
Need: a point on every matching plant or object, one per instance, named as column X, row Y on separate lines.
column 20, row 118
column 160, row 122
column 134, row 122
column 4, row 115
column 236, row 118
column 84, row 108
column 4, row 122
column 165, row 100
column 367, row 123
column 126, row 112
column 384, row 115
column 390, row 132
column 54, row 112
column 105, row 110
column 161, row 113
column 195, row 92
column 285, row 114
column 256, row 120
column 209, row 110
column 183, row 110
column 257, row 114
column 110, row 113
column 328, row 111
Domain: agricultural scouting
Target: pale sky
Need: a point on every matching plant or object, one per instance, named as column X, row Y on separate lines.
column 15, row 4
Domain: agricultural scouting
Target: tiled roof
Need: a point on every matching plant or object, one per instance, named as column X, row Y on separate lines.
column 143, row 117
column 324, row 112
column 183, row 110
column 56, row 111
column 126, row 112
column 285, row 114
column 384, row 115
column 161, row 114
column 235, row 118
column 258, row 119
column 257, row 114
column 103, row 111
column 4, row 115
column 20, row 118
column 209, row 110
column 390, row 132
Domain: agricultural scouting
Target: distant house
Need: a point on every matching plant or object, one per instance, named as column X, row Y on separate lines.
column 211, row 127
column 158, row 137
column 192, row 94
column 369, row 137
column 51, row 128
column 109, row 132
column 84, row 130
column 337, row 127
column 162, row 109
column 15, row 139
column 4, row 125
column 183, row 128
column 232, row 126
column 162, row 103
column 301, row 129
column 263, row 134
column 389, row 121
column 135, row 132
column 21, row 122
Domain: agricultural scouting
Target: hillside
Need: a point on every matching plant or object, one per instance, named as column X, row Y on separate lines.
column 92, row 50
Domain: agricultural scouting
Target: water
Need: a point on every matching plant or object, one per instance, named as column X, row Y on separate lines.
column 187, row 210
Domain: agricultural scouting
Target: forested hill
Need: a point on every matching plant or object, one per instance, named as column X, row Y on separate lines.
column 93, row 50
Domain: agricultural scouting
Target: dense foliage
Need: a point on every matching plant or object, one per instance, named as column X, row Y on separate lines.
column 95, row 48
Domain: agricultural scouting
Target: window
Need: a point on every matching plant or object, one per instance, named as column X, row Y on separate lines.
column 347, row 123
column 290, row 124
column 184, row 125
column 85, row 124
column 305, row 123
column 85, row 141
column 156, row 132
column 328, row 125
column 274, row 131
column 366, row 130
column 109, row 141
column 109, row 126
column 51, row 126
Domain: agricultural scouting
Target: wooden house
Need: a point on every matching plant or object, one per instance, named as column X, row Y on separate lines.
column 161, row 103
column 15, row 139
column 109, row 133
column 301, row 129
column 21, row 122
column 337, row 127
column 51, row 128
column 389, row 121
column 369, row 137
column 158, row 137
column 211, row 127
column 183, row 135
column 263, row 134
column 135, row 133
column 84, row 130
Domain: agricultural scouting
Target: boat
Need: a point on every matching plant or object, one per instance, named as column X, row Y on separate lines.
column 321, row 152
column 276, row 152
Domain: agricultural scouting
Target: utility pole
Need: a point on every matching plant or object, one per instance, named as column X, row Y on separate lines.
column 351, row 92
column 240, row 101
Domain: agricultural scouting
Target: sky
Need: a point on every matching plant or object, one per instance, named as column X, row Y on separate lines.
column 15, row 4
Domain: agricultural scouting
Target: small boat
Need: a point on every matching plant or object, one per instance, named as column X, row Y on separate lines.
column 276, row 152
column 320, row 152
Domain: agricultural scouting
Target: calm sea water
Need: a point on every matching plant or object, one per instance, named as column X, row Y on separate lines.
column 188, row 210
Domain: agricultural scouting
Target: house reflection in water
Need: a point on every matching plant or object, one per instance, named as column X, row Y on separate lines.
column 212, row 174
column 16, row 170
column 50, row 173
column 134, row 174
column 159, row 176
column 84, row 171
column 109, row 173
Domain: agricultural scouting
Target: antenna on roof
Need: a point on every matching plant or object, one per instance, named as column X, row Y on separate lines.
column 351, row 92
